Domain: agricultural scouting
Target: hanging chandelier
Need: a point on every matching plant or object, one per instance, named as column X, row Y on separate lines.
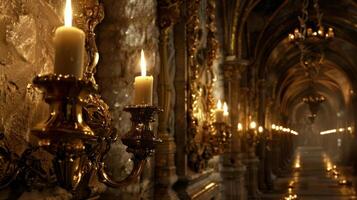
column 311, row 37
column 314, row 101
column 314, row 33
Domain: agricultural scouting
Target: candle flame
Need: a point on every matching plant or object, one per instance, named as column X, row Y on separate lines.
column 253, row 125
column 143, row 63
column 219, row 104
column 260, row 129
column 225, row 109
column 240, row 127
column 68, row 14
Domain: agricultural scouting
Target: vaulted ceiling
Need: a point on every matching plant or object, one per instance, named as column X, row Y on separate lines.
column 278, row 60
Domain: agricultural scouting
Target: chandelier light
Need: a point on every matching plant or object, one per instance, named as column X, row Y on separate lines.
column 314, row 33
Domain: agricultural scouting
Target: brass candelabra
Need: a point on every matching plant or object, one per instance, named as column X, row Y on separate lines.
column 221, row 137
column 78, row 134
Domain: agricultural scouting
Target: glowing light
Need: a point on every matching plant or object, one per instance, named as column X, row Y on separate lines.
column 341, row 129
column 143, row 63
column 225, row 109
column 328, row 132
column 253, row 125
column 240, row 127
column 68, row 14
column 219, row 105
column 273, row 126
column 260, row 129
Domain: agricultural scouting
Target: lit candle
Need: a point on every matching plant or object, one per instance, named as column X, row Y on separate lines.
column 69, row 46
column 240, row 127
column 273, row 126
column 253, row 125
column 291, row 37
column 143, row 85
column 219, row 112
column 225, row 112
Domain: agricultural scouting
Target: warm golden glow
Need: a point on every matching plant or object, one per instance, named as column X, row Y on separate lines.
column 219, row 105
column 240, row 127
column 328, row 132
column 260, row 129
column 253, row 125
column 68, row 14
column 225, row 109
column 143, row 63
column 273, row 126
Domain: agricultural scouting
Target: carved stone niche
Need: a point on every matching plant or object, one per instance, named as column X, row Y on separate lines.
column 201, row 49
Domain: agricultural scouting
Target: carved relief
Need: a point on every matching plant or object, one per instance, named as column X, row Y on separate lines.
column 200, row 98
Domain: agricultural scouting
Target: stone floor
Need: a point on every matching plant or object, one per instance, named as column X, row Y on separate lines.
column 313, row 177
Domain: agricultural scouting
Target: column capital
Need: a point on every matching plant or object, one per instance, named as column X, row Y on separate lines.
column 232, row 66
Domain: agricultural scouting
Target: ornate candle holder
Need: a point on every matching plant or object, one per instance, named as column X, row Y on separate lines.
column 252, row 139
column 221, row 138
column 78, row 133
column 140, row 141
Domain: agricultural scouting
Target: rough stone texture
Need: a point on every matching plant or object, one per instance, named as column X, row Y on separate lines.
column 128, row 27
column 26, row 31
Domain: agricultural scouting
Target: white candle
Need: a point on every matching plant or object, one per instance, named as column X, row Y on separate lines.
column 143, row 85
column 69, row 46
column 225, row 112
column 219, row 112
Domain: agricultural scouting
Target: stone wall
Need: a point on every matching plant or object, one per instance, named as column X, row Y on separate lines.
column 128, row 27
column 26, row 31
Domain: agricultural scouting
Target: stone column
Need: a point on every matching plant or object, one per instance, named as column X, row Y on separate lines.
column 268, row 171
column 262, row 138
column 252, row 163
column 232, row 170
column 251, row 160
column 165, row 169
column 275, row 152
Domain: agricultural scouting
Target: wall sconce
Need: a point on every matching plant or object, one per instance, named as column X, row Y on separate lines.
column 78, row 138
column 221, row 137
column 78, row 132
column 252, row 138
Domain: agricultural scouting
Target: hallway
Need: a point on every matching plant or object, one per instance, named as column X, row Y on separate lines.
column 313, row 177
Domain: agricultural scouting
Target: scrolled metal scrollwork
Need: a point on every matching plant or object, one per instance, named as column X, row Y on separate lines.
column 200, row 146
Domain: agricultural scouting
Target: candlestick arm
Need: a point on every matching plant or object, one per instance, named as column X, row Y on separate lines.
column 140, row 141
column 135, row 173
